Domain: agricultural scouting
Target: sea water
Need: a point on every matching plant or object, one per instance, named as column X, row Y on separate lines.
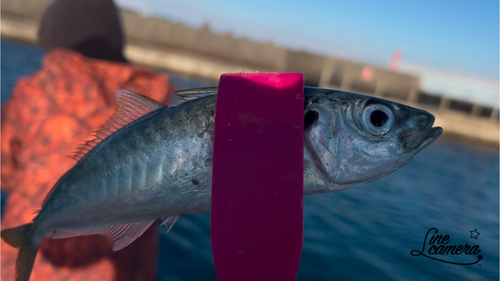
column 364, row 233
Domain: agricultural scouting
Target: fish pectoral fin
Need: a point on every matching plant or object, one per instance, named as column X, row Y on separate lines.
column 122, row 235
column 169, row 222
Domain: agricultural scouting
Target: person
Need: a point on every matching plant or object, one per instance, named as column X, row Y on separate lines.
column 50, row 114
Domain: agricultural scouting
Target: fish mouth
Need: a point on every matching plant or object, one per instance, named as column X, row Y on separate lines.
column 422, row 139
column 423, row 134
column 430, row 136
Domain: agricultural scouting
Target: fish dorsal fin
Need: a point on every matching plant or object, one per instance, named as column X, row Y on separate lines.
column 168, row 222
column 122, row 235
column 130, row 106
column 192, row 94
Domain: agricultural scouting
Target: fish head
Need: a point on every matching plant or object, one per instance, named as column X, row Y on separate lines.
column 352, row 138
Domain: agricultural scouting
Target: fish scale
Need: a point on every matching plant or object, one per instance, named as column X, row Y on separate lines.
column 159, row 164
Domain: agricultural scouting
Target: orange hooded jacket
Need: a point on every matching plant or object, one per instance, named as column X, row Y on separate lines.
column 49, row 114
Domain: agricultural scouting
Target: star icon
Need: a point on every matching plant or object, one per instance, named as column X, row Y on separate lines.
column 474, row 233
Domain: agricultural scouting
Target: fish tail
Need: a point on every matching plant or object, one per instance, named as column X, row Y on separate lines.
column 20, row 237
column 15, row 236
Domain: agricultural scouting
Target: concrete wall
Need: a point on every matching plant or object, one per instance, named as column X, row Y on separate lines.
column 29, row 8
column 225, row 47
column 171, row 37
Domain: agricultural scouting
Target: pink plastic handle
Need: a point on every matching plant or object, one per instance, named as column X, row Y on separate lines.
column 257, row 187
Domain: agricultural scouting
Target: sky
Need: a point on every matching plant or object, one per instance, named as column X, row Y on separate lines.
column 454, row 35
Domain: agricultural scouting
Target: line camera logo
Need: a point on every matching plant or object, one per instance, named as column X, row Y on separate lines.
column 438, row 247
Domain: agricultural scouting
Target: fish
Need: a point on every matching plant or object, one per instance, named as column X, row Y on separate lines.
column 150, row 162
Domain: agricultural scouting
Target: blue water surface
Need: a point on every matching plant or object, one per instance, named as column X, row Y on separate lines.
column 363, row 233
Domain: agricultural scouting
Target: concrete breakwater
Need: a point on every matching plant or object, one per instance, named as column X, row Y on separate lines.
column 200, row 52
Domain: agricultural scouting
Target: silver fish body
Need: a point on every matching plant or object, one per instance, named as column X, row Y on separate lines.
column 160, row 165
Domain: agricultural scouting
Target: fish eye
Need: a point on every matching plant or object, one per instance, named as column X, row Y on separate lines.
column 310, row 118
column 377, row 119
